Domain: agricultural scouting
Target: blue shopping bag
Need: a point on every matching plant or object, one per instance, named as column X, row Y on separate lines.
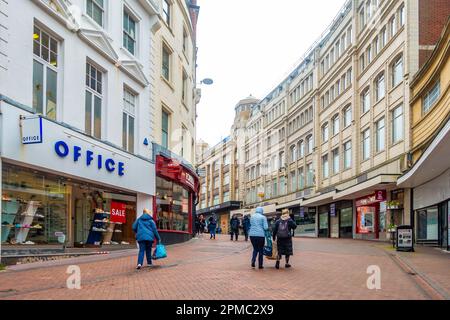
column 268, row 251
column 160, row 252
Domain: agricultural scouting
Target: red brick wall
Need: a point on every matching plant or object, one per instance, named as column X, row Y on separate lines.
column 433, row 16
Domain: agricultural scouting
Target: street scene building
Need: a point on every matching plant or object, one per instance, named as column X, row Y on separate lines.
column 331, row 141
column 82, row 139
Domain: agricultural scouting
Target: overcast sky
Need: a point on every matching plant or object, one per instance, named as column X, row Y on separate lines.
column 248, row 47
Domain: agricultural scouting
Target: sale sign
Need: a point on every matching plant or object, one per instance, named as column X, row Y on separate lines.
column 118, row 212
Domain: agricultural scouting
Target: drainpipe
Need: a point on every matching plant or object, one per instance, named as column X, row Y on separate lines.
column 412, row 217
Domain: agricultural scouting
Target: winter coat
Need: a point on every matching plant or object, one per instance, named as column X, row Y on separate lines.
column 258, row 224
column 145, row 229
column 284, row 245
column 246, row 223
column 234, row 224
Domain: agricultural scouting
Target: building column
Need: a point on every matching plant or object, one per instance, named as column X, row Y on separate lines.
column 1, row 209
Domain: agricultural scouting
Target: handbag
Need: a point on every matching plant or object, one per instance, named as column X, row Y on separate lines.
column 160, row 252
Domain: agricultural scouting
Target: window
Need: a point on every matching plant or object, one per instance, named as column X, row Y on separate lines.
column 380, row 87
column 362, row 62
column 381, row 133
column 129, row 33
column 96, row 9
column 336, row 126
column 293, row 182
column 129, row 110
column 402, row 15
column 369, row 54
column 347, row 116
column 166, row 12
column 365, row 100
column 397, row 124
column 165, row 130
column 397, row 72
column 182, row 142
column 45, row 71
column 93, row 103
column 325, row 132
column 184, row 88
column 336, row 161
column 274, row 188
column 226, row 196
column 383, row 37
column 366, row 144
column 226, row 179
column 393, row 26
column 310, row 143
column 431, row 97
column 166, row 63
column 310, row 177
column 301, row 179
column 282, row 186
column 325, row 168
column 362, row 18
column 347, row 155
column 293, row 152
column 301, row 149
column 185, row 41
column 376, row 46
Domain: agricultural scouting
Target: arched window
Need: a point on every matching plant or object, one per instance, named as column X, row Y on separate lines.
column 325, row 132
column 310, row 144
column 301, row 149
column 293, row 153
column 397, row 71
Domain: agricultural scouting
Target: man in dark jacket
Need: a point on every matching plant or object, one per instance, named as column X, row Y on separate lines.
column 212, row 227
column 234, row 227
column 246, row 226
column 146, row 232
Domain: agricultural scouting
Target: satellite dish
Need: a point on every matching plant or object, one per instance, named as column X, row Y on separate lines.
column 208, row 81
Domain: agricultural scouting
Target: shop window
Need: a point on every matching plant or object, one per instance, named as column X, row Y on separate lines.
column 173, row 206
column 427, row 224
column 366, row 219
column 45, row 71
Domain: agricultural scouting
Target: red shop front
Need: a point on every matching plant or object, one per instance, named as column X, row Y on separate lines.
column 176, row 189
column 367, row 215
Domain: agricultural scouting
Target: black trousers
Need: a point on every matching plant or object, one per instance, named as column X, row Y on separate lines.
column 234, row 233
column 258, row 249
column 246, row 235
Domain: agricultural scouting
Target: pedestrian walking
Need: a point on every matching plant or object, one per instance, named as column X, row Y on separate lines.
column 202, row 223
column 234, row 227
column 212, row 226
column 145, row 229
column 258, row 229
column 197, row 226
column 282, row 233
column 246, row 226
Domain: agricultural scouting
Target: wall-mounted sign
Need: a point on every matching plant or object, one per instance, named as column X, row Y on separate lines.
column 63, row 151
column 31, row 130
column 380, row 195
column 333, row 210
column 118, row 212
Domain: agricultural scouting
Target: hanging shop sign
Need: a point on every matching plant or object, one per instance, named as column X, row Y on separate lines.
column 118, row 212
column 31, row 130
column 63, row 150
column 173, row 170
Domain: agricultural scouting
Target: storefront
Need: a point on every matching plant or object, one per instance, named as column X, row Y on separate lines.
column 305, row 218
column 368, row 215
column 176, row 191
column 61, row 187
column 223, row 213
column 336, row 220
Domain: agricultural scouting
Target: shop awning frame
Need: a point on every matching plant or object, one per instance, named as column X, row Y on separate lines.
column 368, row 187
column 319, row 199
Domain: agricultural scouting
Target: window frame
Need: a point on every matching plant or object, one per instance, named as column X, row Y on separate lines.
column 95, row 93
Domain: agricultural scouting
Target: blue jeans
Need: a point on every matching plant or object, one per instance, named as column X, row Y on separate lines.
column 212, row 233
column 145, row 248
column 258, row 249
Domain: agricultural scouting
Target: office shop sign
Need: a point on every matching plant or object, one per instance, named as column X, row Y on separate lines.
column 89, row 158
column 31, row 130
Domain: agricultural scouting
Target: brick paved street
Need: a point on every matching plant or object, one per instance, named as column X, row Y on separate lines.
column 322, row 269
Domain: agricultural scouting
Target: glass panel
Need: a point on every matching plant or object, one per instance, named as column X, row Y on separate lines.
column 88, row 113
column 130, row 134
column 51, row 94
column 97, row 117
column 38, row 87
column 124, row 131
column 34, row 207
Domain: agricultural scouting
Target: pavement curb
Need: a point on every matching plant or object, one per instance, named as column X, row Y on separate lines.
column 428, row 287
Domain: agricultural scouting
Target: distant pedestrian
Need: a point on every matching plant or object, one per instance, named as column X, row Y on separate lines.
column 258, row 229
column 197, row 225
column 234, row 227
column 246, row 226
column 145, row 229
column 202, row 223
column 293, row 219
column 282, row 232
column 212, row 227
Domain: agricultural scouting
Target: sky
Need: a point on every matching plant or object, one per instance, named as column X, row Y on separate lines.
column 249, row 47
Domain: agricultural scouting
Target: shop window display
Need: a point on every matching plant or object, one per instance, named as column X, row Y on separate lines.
column 34, row 207
column 172, row 206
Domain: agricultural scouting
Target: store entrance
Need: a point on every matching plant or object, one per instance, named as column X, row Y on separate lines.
column 82, row 218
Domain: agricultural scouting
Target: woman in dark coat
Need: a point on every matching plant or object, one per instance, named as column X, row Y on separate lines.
column 282, row 233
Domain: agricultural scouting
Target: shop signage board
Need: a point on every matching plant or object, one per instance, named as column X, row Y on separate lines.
column 31, row 130
column 405, row 238
column 118, row 212
column 333, row 210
